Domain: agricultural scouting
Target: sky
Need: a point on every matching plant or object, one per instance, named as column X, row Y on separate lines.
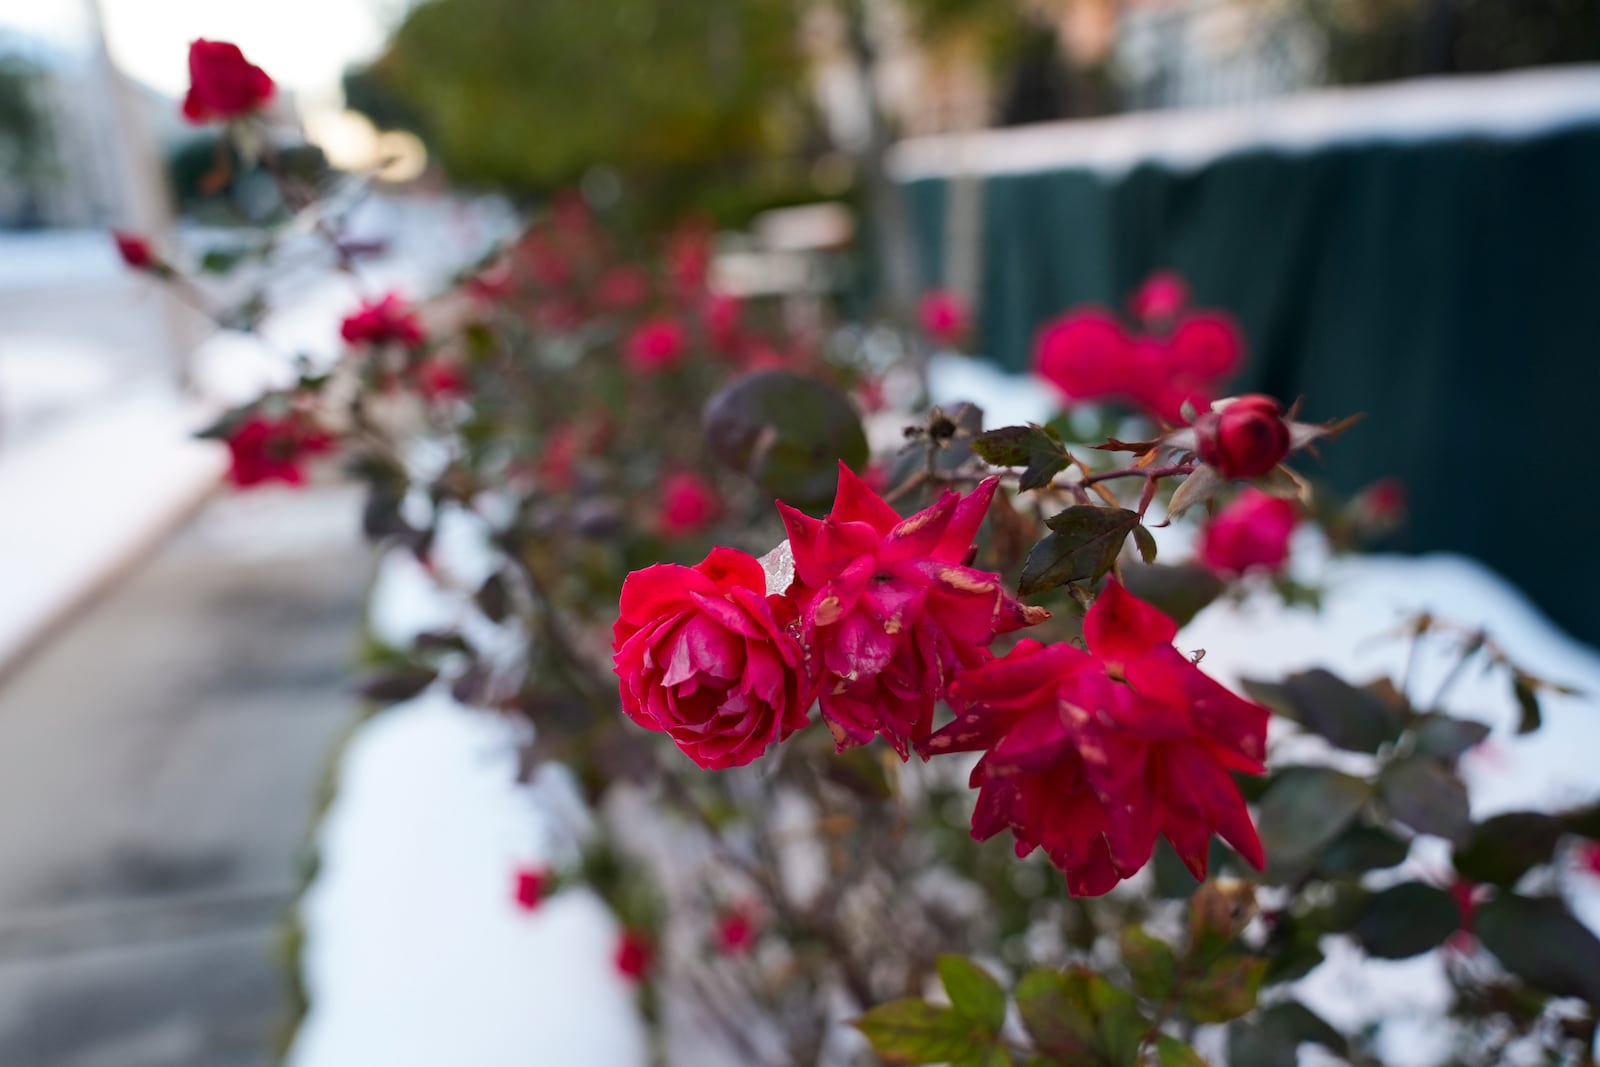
column 304, row 44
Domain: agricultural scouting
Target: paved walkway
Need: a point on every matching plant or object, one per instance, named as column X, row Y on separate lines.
column 159, row 764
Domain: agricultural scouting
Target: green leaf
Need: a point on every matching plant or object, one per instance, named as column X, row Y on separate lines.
column 1539, row 941
column 1499, row 851
column 1273, row 1038
column 1146, row 543
column 913, row 1031
column 1352, row 719
column 494, row 597
column 1035, row 447
column 1406, row 920
column 395, row 684
column 1226, row 990
column 860, row 771
column 1181, row 590
column 1361, row 849
column 1303, row 810
column 1445, row 737
column 1427, row 796
column 1170, row 1052
column 1078, row 1017
column 996, row 1055
column 1527, row 701
column 973, row 992
column 787, row 432
column 1150, row 962
column 1083, row 544
column 222, row 260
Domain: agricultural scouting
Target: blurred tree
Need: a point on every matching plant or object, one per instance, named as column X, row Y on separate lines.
column 529, row 95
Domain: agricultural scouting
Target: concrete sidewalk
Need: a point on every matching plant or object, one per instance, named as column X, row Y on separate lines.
column 159, row 762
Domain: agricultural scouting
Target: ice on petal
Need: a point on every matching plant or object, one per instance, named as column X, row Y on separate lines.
column 779, row 567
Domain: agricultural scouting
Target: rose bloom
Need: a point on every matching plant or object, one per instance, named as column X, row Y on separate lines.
column 440, row 379
column 658, row 344
column 736, row 931
column 376, row 322
column 722, row 315
column 1251, row 532
column 1160, row 298
column 1084, row 354
column 1244, row 437
column 703, row 657
column 622, row 288
column 1089, row 755
column 267, row 449
column 529, row 887
column 888, row 612
column 634, row 955
column 222, row 83
column 134, row 250
column 689, row 504
column 943, row 317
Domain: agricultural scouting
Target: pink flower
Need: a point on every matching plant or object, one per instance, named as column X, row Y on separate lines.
column 722, row 314
column 135, row 250
column 1089, row 755
column 689, row 504
column 944, row 319
column 1589, row 857
column 623, row 288
column 1085, row 354
column 1160, row 298
column 378, row 322
column 689, row 256
column 736, row 931
column 440, row 379
column 634, row 955
column 530, row 886
column 265, row 449
column 1244, row 438
column 703, row 658
column 658, row 344
column 222, row 83
column 888, row 612
column 1251, row 532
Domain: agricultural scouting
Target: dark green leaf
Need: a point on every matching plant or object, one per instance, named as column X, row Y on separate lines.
column 1361, row 849
column 1056, row 1013
column 1225, row 991
column 1083, row 544
column 1034, row 447
column 860, row 771
column 1527, row 702
column 1146, row 543
column 1499, row 851
column 995, row 1055
column 1585, row 822
column 1427, row 796
column 1180, row 590
column 1170, row 1052
column 395, row 684
column 1406, row 920
column 1350, row 718
column 1303, row 810
column 1539, row 941
column 1445, row 737
column 1272, row 1039
column 973, row 992
column 494, row 597
column 222, row 260
column 1150, row 962
column 913, row 1031
column 787, row 432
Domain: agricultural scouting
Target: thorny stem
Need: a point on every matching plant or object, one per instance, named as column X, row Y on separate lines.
column 1076, row 486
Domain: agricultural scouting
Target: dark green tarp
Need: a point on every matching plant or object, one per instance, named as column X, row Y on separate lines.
column 1448, row 288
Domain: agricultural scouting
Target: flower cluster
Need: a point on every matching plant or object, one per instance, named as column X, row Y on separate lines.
column 387, row 320
column 1174, row 359
column 1088, row 754
column 273, row 448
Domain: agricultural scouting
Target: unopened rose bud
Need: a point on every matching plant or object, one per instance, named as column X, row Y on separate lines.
column 134, row 250
column 1244, row 439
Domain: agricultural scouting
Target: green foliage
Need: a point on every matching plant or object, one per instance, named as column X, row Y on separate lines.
column 1303, row 810
column 913, row 1031
column 973, row 992
column 787, row 432
column 1406, row 920
column 1499, row 851
column 1354, row 719
column 1272, row 1038
column 1539, row 941
column 1078, row 1017
column 1427, row 796
column 1037, row 448
column 1083, row 545
column 530, row 95
column 1182, row 590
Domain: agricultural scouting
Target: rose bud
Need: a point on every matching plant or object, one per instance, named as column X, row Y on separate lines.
column 1244, row 438
column 134, row 250
column 222, row 83
column 1251, row 532
column 530, row 887
column 702, row 658
column 633, row 956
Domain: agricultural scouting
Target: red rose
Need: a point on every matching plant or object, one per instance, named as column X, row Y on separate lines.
column 134, row 250
column 1160, row 298
column 1084, row 354
column 440, row 379
column 1204, row 349
column 1243, row 438
column 265, row 449
column 623, row 288
column 634, row 955
column 888, row 613
column 736, row 932
column 943, row 317
column 1252, row 531
column 222, row 83
column 657, row 345
column 702, row 658
column 689, row 256
column 689, row 504
column 1090, row 755
column 722, row 315
column 378, row 322
column 530, row 887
